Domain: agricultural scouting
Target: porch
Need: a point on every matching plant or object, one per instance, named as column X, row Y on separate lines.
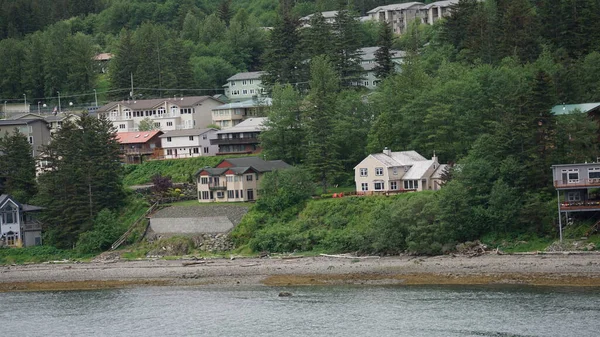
column 576, row 183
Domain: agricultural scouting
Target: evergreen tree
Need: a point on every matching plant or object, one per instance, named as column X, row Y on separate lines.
column 18, row 166
column 283, row 137
column 383, row 55
column 84, row 177
column 322, row 153
column 318, row 36
column 123, row 65
column 346, row 44
column 224, row 11
column 282, row 57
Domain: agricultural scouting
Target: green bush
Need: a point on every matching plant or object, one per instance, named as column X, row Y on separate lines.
column 36, row 254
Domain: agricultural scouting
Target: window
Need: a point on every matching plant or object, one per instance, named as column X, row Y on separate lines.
column 245, row 92
column 191, row 138
column 242, row 194
column 379, row 171
column 204, row 180
column 229, row 179
column 169, row 152
column 393, row 185
column 248, row 177
column 363, row 172
column 121, row 126
column 205, row 149
column 157, row 125
column 395, row 171
column 252, row 91
column 169, row 123
column 205, row 195
column 204, row 136
column 30, row 140
column 232, row 83
column 230, row 194
column 168, row 139
column 244, row 82
column 379, row 185
column 250, row 81
column 594, row 173
column 10, row 214
column 411, row 184
column 237, row 194
column 573, row 196
column 364, row 186
column 571, row 174
column 196, row 150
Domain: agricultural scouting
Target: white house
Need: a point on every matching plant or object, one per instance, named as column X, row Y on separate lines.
column 192, row 112
column 244, row 86
column 398, row 172
column 18, row 224
column 229, row 115
column 189, row 143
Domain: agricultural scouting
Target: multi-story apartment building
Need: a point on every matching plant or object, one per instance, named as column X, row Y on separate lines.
column 232, row 114
column 399, row 16
column 436, row 10
column 166, row 113
column 188, row 143
column 240, row 139
column 36, row 130
column 234, row 179
column 244, row 86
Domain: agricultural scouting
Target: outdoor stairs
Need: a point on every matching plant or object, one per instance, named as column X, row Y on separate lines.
column 595, row 228
column 155, row 207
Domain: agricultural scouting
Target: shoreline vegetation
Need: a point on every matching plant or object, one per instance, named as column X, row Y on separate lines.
column 563, row 270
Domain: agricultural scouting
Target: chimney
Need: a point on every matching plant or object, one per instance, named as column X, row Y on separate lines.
column 387, row 152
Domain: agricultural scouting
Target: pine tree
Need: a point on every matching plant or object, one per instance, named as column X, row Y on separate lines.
column 123, row 65
column 224, row 11
column 346, row 55
column 322, row 157
column 84, row 177
column 318, row 36
column 383, row 55
column 18, row 166
column 282, row 57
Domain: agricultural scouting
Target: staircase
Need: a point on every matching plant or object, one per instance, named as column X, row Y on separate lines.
column 595, row 228
column 125, row 235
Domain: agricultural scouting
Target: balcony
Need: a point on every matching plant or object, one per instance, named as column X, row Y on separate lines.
column 217, row 187
column 577, row 183
column 137, row 152
column 229, row 141
column 32, row 226
column 588, row 205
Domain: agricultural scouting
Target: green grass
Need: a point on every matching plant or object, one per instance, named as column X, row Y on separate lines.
column 38, row 254
column 180, row 170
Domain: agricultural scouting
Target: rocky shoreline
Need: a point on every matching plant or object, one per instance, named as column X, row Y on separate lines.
column 536, row 270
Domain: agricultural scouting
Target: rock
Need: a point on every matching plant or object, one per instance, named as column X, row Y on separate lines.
column 285, row 294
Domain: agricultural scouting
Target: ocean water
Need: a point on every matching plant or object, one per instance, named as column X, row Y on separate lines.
column 413, row 311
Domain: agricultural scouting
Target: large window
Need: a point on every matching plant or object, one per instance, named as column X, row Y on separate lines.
column 379, row 171
column 379, row 185
column 393, row 185
column 204, row 180
column 364, row 172
column 230, row 194
column 594, row 173
column 249, row 177
column 9, row 215
column 411, row 184
column 205, row 195
column 364, row 186
column 571, row 175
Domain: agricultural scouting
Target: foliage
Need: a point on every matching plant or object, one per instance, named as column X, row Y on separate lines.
column 383, row 56
column 146, row 124
column 84, row 176
column 18, row 166
column 37, row 254
column 103, row 233
column 282, row 189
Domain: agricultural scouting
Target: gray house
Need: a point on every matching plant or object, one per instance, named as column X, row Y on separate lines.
column 576, row 188
column 18, row 224
column 36, row 130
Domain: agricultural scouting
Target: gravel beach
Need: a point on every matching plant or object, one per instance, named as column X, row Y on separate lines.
column 540, row 270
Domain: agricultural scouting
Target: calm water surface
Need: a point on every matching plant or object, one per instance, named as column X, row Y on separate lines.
column 312, row 311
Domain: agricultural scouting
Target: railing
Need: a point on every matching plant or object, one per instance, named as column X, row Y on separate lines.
column 125, row 235
column 32, row 226
column 214, row 187
column 579, row 205
column 575, row 183
column 227, row 141
column 137, row 151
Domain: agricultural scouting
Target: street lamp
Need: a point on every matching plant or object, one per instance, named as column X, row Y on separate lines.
column 25, row 101
column 58, row 92
column 96, row 97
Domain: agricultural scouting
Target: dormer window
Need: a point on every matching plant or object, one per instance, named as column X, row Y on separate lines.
column 9, row 215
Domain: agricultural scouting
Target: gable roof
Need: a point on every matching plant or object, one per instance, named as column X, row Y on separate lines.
column 26, row 115
column 368, row 53
column 395, row 7
column 20, row 121
column 142, row 104
column 251, row 75
column 326, row 15
column 251, row 103
column 243, row 164
column 563, row 109
column 185, row 132
column 446, row 3
column 136, row 137
column 418, row 169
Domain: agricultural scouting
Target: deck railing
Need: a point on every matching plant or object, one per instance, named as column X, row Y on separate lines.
column 579, row 205
column 576, row 183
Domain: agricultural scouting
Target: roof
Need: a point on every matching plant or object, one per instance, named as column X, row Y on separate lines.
column 24, row 115
column 24, row 207
column 251, row 103
column 563, row 109
column 368, row 53
column 20, row 121
column 445, row 3
column 253, row 124
column 395, row 7
column 401, row 158
column 258, row 164
column 418, row 169
column 326, row 15
column 142, row 104
column 439, row 171
column 103, row 57
column 59, row 117
column 185, row 132
column 136, row 137
column 246, row 76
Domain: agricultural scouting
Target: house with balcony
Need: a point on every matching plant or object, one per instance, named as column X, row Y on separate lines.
column 229, row 115
column 188, row 143
column 242, row 138
column 396, row 172
column 234, row 179
column 36, row 130
column 436, row 10
column 244, row 86
column 18, row 223
column 136, row 147
column 165, row 113
column 399, row 16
